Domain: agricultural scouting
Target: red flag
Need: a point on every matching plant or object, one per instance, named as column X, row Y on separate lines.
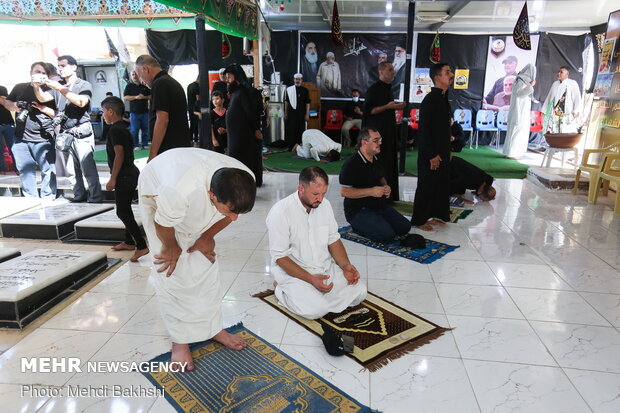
column 435, row 56
column 336, row 33
column 226, row 47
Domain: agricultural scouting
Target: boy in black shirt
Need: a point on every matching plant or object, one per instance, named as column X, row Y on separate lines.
column 123, row 175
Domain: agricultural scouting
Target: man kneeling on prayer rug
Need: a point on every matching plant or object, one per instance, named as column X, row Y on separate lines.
column 187, row 196
column 312, row 271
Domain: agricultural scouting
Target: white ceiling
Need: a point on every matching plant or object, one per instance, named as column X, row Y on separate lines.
column 460, row 16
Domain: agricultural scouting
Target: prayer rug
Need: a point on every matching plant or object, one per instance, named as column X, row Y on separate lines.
column 259, row 378
column 382, row 330
column 434, row 250
column 406, row 208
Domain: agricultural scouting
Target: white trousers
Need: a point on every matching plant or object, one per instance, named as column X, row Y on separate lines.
column 190, row 299
column 305, row 300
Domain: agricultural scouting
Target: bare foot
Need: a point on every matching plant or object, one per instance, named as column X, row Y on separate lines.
column 230, row 340
column 436, row 222
column 124, row 247
column 181, row 354
column 139, row 253
column 426, row 227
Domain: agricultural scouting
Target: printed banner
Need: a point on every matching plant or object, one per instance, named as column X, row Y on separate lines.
column 338, row 70
column 461, row 79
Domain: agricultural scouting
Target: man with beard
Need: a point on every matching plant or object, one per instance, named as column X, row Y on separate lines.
column 379, row 114
column 328, row 77
column 310, row 62
column 296, row 111
column 312, row 271
column 245, row 139
column 373, row 72
column 431, row 205
column 510, row 67
column 400, row 60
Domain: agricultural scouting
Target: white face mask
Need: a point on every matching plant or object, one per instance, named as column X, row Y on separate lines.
column 355, row 98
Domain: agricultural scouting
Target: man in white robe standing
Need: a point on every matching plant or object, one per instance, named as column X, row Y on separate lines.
column 187, row 196
column 315, row 144
column 518, row 133
column 311, row 267
column 572, row 104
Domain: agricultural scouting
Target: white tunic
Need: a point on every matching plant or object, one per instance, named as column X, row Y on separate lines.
column 315, row 144
column 304, row 238
column 173, row 189
column 518, row 132
column 572, row 103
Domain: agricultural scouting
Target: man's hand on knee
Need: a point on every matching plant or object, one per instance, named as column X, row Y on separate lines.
column 351, row 274
column 205, row 245
column 318, row 281
column 168, row 257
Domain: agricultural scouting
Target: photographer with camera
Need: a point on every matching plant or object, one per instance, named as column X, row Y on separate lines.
column 75, row 139
column 34, row 136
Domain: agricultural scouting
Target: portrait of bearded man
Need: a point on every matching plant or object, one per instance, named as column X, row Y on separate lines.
column 310, row 62
column 400, row 59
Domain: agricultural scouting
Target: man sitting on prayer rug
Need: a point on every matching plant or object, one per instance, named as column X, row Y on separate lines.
column 187, row 196
column 312, row 270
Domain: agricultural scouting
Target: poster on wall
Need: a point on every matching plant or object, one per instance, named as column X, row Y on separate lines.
column 504, row 61
column 461, row 79
column 607, row 55
column 423, row 76
column 418, row 92
column 338, row 70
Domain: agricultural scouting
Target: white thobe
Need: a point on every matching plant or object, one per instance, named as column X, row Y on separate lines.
column 173, row 189
column 518, row 132
column 572, row 104
column 328, row 76
column 304, row 238
column 315, row 144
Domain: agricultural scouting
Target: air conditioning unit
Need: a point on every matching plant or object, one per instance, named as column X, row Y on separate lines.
column 432, row 16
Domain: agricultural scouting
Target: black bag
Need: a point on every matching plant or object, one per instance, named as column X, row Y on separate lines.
column 63, row 141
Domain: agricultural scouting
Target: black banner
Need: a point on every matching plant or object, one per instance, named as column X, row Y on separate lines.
column 354, row 66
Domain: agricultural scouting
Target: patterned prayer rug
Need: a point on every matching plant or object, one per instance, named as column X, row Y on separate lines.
column 406, row 208
column 434, row 250
column 257, row 379
column 382, row 330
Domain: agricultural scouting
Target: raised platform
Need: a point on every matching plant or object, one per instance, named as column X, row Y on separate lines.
column 10, row 185
column 10, row 205
column 9, row 253
column 556, row 179
column 33, row 283
column 51, row 222
column 104, row 227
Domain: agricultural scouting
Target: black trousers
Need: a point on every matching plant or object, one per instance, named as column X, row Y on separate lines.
column 125, row 189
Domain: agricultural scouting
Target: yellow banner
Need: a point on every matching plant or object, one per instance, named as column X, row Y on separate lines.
column 461, row 79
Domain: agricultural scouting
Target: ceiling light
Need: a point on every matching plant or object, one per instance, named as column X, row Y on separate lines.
column 388, row 22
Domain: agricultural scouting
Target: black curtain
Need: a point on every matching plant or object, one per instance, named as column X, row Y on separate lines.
column 460, row 52
column 284, row 53
column 555, row 50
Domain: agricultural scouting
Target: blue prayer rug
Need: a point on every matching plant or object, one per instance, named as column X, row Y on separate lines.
column 259, row 378
column 434, row 250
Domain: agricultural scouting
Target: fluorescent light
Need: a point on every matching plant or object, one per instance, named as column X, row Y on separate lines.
column 388, row 7
column 388, row 22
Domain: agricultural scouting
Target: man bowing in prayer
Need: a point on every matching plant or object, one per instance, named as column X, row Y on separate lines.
column 187, row 196
column 379, row 114
column 431, row 205
column 296, row 111
column 310, row 265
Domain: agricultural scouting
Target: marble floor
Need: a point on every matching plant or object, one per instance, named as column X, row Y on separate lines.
column 533, row 295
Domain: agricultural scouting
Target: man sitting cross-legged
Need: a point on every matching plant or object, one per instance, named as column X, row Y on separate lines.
column 187, row 196
column 366, row 192
column 311, row 267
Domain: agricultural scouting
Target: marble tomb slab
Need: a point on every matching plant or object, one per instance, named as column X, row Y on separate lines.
column 34, row 282
column 11, row 205
column 51, row 222
column 104, row 227
column 8, row 253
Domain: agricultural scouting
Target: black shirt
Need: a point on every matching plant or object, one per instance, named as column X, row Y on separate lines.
column 75, row 115
column 357, row 172
column 139, row 105
column 350, row 112
column 217, row 122
column 38, row 126
column 5, row 115
column 434, row 130
column 303, row 98
column 465, row 175
column 193, row 89
column 379, row 94
column 119, row 134
column 167, row 95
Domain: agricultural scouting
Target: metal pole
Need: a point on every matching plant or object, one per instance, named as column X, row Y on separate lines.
column 404, row 127
column 203, row 74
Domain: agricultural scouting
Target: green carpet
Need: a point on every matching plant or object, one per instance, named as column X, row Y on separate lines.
column 102, row 156
column 491, row 162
